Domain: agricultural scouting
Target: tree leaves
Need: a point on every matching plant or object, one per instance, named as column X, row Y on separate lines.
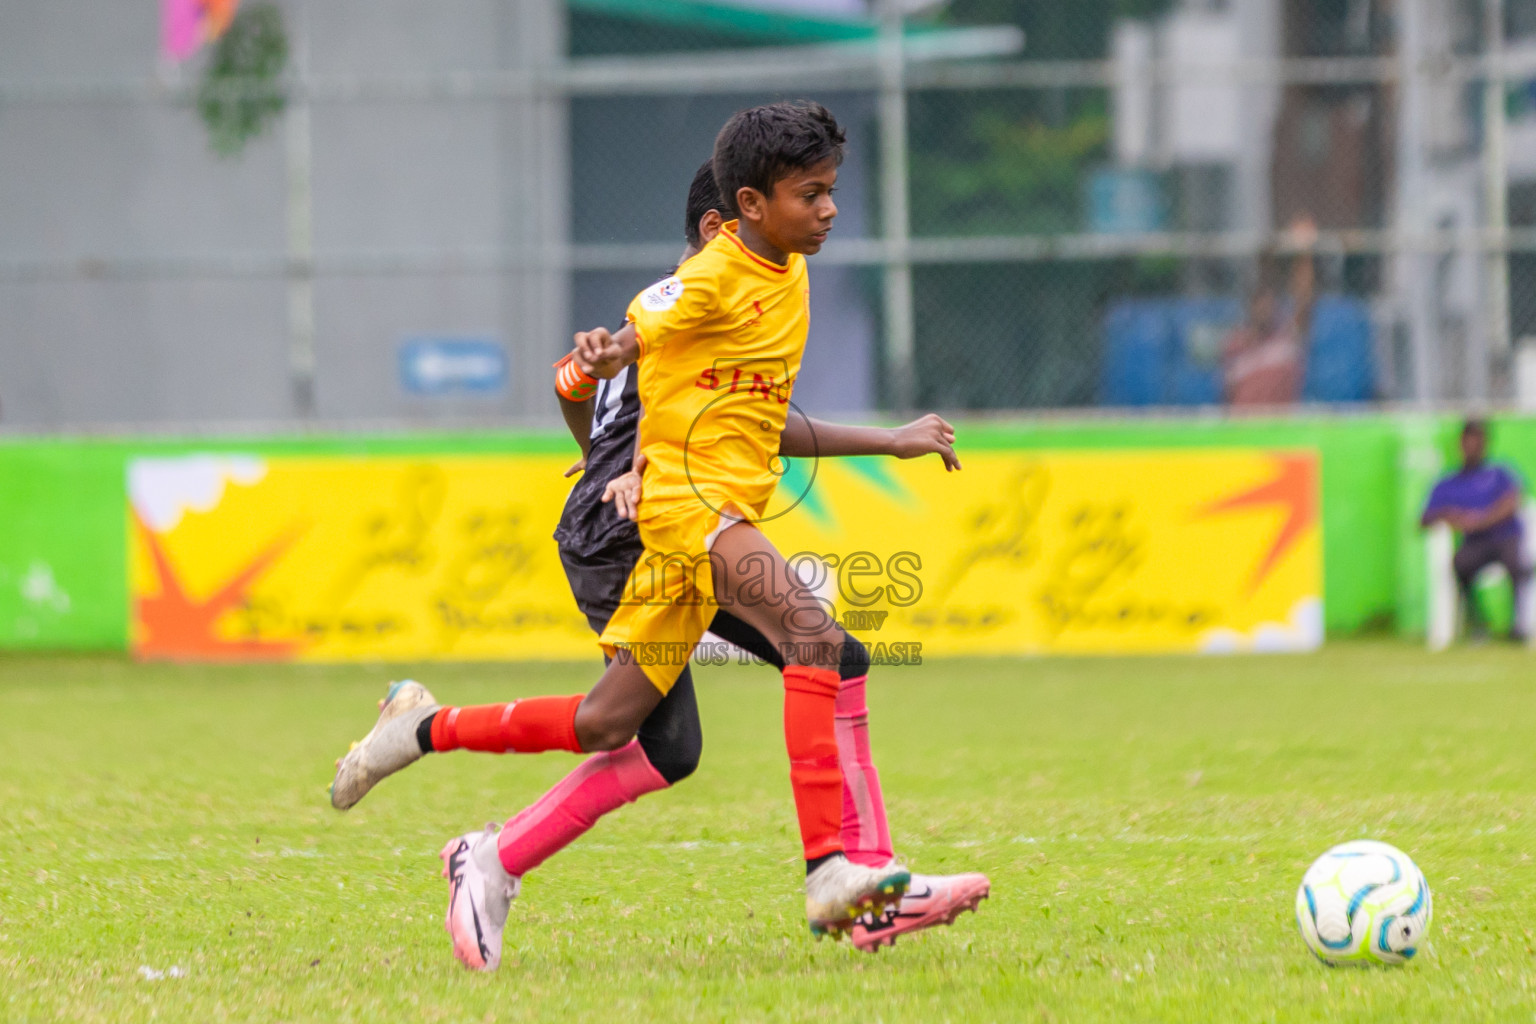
column 241, row 92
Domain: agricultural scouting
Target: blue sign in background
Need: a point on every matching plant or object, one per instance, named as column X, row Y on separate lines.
column 440, row 366
column 1126, row 201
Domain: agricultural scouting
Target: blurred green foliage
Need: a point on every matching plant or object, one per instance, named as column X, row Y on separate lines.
column 1010, row 162
column 1003, row 163
column 241, row 92
column 1053, row 29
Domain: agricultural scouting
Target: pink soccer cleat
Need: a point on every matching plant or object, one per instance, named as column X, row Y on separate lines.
column 480, row 893
column 930, row 900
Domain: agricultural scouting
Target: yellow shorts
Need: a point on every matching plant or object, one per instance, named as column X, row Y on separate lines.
column 669, row 599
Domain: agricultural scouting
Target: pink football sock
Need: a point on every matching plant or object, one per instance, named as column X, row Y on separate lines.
column 866, row 836
column 602, row 783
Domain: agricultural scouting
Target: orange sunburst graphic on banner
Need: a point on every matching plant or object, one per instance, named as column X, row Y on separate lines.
column 1293, row 488
column 177, row 626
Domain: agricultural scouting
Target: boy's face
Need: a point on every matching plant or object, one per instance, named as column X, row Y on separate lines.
column 798, row 213
column 1474, row 447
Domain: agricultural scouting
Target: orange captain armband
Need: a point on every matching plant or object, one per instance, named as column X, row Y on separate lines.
column 572, row 382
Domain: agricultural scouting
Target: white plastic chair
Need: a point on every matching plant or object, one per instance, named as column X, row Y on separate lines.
column 1445, row 598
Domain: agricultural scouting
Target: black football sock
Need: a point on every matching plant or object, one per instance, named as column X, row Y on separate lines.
column 424, row 733
column 816, row 862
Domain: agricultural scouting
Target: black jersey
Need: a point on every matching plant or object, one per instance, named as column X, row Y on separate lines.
column 588, row 525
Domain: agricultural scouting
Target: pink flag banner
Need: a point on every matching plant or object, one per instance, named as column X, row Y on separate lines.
column 185, row 25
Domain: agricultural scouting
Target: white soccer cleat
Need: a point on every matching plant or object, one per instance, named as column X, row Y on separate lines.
column 839, row 892
column 389, row 746
column 480, row 894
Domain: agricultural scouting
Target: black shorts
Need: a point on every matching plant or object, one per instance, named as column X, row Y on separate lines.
column 597, row 583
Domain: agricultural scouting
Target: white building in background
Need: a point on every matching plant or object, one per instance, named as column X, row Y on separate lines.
column 1248, row 156
column 155, row 279
column 1213, row 134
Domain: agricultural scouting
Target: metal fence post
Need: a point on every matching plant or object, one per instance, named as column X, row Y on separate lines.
column 300, row 202
column 536, row 167
column 894, row 213
column 1496, row 201
column 1413, row 270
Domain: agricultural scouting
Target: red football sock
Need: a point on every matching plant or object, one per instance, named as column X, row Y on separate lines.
column 523, row 726
column 810, row 734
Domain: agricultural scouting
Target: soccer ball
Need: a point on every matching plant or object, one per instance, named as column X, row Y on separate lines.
column 1363, row 903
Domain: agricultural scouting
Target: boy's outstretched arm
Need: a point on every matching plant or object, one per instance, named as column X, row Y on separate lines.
column 575, row 388
column 578, row 420
column 604, row 354
column 928, row 435
column 598, row 354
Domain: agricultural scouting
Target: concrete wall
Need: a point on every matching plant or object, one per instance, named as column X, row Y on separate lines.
column 197, row 326
column 85, row 184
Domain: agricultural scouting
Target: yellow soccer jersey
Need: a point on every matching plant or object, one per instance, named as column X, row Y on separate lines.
column 720, row 346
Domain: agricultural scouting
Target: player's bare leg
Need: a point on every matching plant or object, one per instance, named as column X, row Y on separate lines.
column 614, row 709
column 754, row 583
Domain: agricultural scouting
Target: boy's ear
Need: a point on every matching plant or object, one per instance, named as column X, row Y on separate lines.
column 751, row 203
column 709, row 226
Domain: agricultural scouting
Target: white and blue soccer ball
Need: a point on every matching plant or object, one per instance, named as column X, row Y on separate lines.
column 1363, row 902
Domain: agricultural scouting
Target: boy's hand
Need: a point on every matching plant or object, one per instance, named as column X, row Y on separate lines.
column 579, row 466
column 599, row 353
column 1463, row 520
column 1452, row 517
column 930, row 435
column 624, row 491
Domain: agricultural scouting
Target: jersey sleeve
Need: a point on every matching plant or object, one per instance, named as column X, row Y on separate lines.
column 670, row 307
column 1509, row 481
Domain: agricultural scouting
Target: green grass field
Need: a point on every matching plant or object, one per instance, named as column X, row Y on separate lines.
column 1145, row 824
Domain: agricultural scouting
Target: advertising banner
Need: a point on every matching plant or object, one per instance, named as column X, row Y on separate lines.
column 329, row 558
column 1072, row 552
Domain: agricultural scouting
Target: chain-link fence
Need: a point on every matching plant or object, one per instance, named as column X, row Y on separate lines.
column 1107, row 203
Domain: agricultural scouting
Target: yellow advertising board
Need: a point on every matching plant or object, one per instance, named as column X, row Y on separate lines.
column 331, row 558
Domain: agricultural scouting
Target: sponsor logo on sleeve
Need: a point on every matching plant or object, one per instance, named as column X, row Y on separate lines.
column 662, row 295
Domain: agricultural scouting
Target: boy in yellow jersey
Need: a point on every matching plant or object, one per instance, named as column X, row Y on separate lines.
column 718, row 347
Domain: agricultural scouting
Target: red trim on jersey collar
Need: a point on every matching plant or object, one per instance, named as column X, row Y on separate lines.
column 727, row 229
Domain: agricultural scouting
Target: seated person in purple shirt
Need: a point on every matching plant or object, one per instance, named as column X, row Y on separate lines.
column 1482, row 503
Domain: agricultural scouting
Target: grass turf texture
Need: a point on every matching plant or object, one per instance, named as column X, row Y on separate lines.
column 1145, row 824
